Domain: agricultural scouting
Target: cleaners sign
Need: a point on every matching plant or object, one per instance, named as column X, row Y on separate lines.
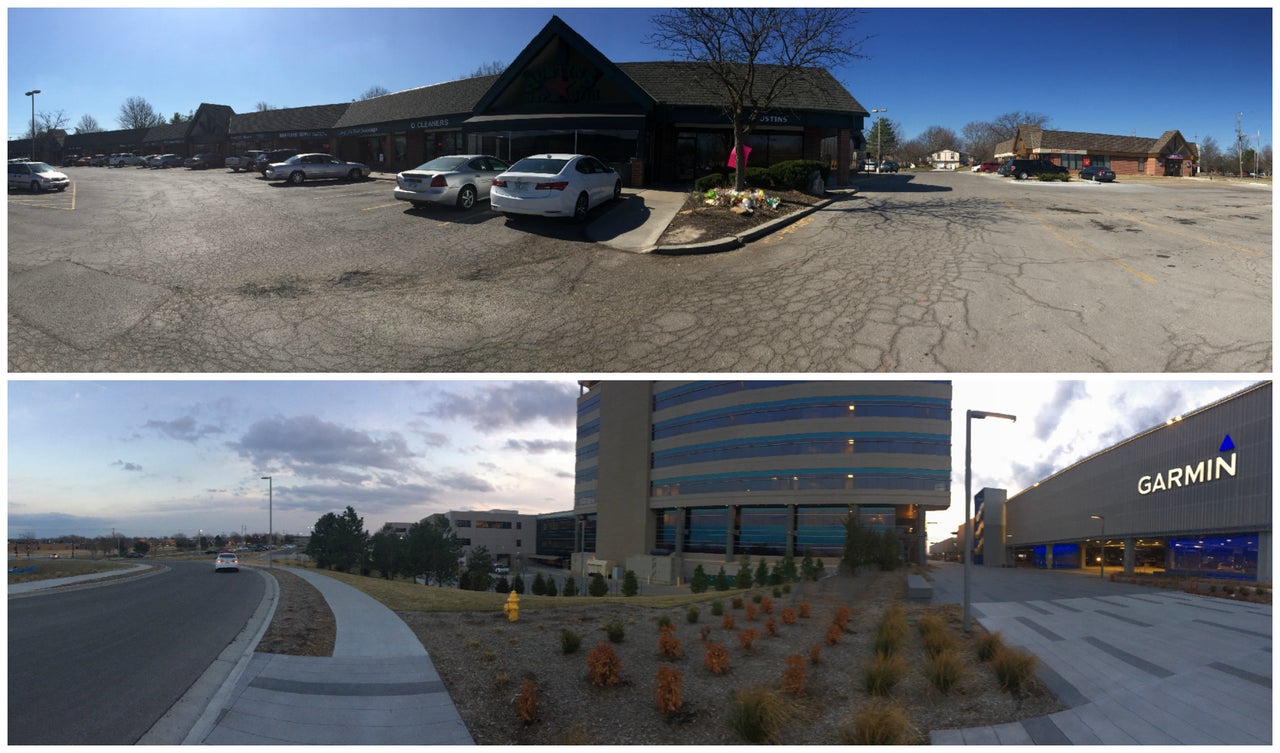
column 1210, row 469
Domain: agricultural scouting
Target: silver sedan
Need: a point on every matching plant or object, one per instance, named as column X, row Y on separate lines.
column 460, row 180
column 304, row 167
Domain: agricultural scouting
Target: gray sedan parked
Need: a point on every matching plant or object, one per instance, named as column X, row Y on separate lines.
column 303, row 167
column 460, row 180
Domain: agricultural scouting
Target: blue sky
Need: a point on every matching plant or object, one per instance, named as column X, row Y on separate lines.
column 1117, row 71
column 152, row 458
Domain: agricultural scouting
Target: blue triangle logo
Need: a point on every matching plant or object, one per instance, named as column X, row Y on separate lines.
column 1227, row 444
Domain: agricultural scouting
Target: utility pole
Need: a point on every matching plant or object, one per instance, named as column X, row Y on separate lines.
column 1239, row 147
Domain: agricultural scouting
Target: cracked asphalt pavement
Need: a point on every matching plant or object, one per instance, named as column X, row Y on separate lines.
column 180, row 271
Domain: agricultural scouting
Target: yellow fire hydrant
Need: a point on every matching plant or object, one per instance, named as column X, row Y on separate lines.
column 512, row 607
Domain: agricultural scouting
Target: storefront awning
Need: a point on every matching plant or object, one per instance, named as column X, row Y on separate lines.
column 559, row 121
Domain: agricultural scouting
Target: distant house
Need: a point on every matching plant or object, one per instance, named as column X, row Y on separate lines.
column 948, row 159
column 1169, row 154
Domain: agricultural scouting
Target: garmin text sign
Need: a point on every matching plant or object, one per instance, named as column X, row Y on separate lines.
column 1210, row 469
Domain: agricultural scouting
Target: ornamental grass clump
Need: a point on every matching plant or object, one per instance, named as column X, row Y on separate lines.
column 751, row 613
column 766, row 605
column 716, row 658
column 892, row 632
column 727, row 622
column 758, row 712
column 569, row 641
column 877, row 723
column 604, row 666
column 667, row 690
column 988, row 645
column 747, row 638
column 771, row 628
column 841, row 617
column 1013, row 668
column 944, row 670
column 616, row 631
column 692, row 615
column 833, row 634
column 882, row 673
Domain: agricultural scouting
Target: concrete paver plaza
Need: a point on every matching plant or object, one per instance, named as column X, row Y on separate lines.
column 1135, row 665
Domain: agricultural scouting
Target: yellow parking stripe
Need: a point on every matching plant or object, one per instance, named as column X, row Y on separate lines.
column 31, row 201
column 1171, row 231
column 1081, row 245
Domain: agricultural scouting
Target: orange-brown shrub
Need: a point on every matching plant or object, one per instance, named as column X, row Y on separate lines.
column 804, row 609
column 788, row 616
column 833, row 634
column 527, row 702
column 815, row 653
column 794, row 676
column 667, row 691
column 716, row 658
column 668, row 644
column 604, row 666
column 766, row 605
column 747, row 637
column 727, row 621
column 751, row 613
column 706, row 632
column 771, row 628
column 842, row 617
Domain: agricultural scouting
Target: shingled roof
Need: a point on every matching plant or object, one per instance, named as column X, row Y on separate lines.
column 450, row 98
column 167, row 132
column 311, row 118
column 686, row 84
column 1034, row 137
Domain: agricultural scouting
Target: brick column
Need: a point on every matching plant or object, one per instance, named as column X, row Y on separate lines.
column 843, row 157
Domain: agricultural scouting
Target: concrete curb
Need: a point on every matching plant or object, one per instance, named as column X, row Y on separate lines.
column 210, row 695
column 741, row 239
column 88, row 580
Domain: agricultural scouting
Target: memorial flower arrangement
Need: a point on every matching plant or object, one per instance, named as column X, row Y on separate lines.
column 742, row 201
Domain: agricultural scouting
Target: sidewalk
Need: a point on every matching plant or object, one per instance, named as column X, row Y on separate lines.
column 378, row 688
column 1135, row 665
column 17, row 589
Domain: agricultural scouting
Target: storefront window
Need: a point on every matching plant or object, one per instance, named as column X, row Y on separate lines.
column 1234, row 557
column 820, row 531
column 399, row 144
column 611, row 147
column 667, row 520
column 763, row 530
column 707, row 530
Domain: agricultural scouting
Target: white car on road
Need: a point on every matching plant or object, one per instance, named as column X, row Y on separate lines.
column 227, row 561
column 555, row 185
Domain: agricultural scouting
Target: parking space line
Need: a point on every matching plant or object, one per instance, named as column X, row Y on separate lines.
column 1188, row 235
column 29, row 201
column 383, row 206
column 1081, row 245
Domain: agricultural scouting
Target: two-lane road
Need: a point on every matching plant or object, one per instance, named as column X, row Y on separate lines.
column 101, row 665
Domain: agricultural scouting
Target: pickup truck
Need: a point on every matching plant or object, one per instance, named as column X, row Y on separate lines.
column 243, row 162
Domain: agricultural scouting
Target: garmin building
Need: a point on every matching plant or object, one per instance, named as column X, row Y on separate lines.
column 1189, row 497
column 672, row 475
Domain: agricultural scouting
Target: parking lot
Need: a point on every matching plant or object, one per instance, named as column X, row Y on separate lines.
column 163, row 271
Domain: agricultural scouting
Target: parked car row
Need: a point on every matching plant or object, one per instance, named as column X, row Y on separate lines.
column 1021, row 169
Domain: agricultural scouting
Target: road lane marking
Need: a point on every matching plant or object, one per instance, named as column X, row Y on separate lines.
column 382, row 206
column 1188, row 235
column 1081, row 245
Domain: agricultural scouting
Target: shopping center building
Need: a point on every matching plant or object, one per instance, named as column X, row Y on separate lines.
column 655, row 122
column 1168, row 154
column 672, row 475
column 1189, row 497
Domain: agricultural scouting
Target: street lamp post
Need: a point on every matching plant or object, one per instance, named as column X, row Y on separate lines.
column 968, row 495
column 33, row 94
column 270, row 527
column 1102, row 545
column 879, row 134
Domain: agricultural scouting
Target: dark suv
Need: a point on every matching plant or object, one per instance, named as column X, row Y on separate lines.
column 1025, row 168
column 271, row 157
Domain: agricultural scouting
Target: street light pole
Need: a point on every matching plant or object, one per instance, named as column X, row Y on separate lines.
column 879, row 134
column 1102, row 546
column 968, row 496
column 33, row 94
column 270, row 527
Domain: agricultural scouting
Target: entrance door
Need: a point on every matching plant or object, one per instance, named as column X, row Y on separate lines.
column 686, row 156
column 1173, row 168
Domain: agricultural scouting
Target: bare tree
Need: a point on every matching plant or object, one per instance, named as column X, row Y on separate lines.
column 264, row 106
column 936, row 138
column 736, row 44
column 980, row 137
column 1210, row 154
column 1005, row 127
column 375, row 91
column 491, row 68
column 88, row 124
column 137, row 112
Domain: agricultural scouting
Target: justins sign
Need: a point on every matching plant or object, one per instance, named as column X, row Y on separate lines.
column 1210, row 469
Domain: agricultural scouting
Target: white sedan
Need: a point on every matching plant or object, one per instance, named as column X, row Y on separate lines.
column 460, row 180
column 226, row 561
column 303, row 167
column 555, row 185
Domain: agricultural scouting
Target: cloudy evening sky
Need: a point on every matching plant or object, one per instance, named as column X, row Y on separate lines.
column 152, row 458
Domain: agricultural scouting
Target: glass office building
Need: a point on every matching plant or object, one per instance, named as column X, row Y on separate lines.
column 675, row 474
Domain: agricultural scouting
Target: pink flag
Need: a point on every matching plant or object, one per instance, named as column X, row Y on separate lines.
column 733, row 155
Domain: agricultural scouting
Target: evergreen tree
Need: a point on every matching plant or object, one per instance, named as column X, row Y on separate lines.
column 479, row 568
column 551, row 586
column 699, row 583
column 431, row 550
column 464, row 581
column 787, row 569
column 598, row 587
column 775, row 575
column 539, row 585
column 570, row 586
column 743, row 579
column 630, row 586
column 722, row 580
column 339, row 541
column 501, row 585
column 517, row 584
column 762, row 573
column 807, row 568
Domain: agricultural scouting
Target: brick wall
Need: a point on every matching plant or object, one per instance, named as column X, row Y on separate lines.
column 1125, row 165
